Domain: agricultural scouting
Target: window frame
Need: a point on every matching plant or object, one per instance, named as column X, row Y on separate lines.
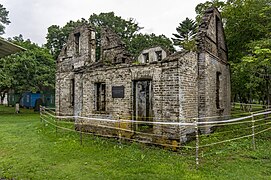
column 100, row 96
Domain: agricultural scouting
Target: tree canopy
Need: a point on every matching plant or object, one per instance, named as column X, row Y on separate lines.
column 247, row 28
column 245, row 21
column 32, row 70
column 4, row 20
column 128, row 30
column 186, row 34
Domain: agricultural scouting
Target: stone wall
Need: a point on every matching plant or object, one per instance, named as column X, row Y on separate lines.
column 214, row 70
column 183, row 86
column 170, row 101
column 62, row 93
column 112, row 48
column 152, row 55
column 74, row 55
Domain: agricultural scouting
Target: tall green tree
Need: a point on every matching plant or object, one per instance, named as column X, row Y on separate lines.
column 251, row 78
column 4, row 20
column 247, row 28
column 245, row 21
column 186, row 33
column 259, row 61
column 32, row 70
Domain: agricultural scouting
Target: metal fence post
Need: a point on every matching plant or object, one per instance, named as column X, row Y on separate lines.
column 197, row 143
column 253, row 131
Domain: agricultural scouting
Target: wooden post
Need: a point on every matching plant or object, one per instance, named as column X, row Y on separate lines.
column 17, row 108
column 56, row 126
column 266, row 115
column 197, row 144
column 81, row 135
column 253, row 131
column 40, row 113
column 119, row 129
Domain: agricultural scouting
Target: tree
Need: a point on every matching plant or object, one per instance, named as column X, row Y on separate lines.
column 245, row 21
column 57, row 36
column 185, row 38
column 247, row 29
column 202, row 7
column 126, row 29
column 251, row 78
column 4, row 20
column 5, row 78
column 259, row 59
column 32, row 70
column 143, row 41
column 55, row 40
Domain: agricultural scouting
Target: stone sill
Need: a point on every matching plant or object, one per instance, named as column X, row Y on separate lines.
column 100, row 112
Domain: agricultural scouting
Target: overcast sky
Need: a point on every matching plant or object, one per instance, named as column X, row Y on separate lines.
column 31, row 18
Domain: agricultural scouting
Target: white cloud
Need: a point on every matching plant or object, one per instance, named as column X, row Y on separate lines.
column 31, row 18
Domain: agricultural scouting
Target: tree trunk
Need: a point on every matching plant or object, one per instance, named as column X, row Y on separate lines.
column 2, row 97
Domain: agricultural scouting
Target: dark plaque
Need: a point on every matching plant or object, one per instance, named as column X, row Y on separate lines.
column 118, row 91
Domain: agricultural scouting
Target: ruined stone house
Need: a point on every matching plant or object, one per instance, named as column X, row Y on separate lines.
column 158, row 87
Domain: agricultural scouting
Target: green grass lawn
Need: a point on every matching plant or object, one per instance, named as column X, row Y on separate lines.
column 30, row 150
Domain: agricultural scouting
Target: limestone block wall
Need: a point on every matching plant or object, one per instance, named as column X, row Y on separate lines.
column 152, row 54
column 80, row 47
column 78, row 52
column 111, row 77
column 214, row 73
column 183, row 86
column 62, row 92
column 112, row 48
column 210, row 65
column 174, row 92
column 188, row 93
column 214, row 66
column 78, row 94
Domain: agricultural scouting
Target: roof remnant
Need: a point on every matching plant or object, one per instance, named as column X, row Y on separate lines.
column 8, row 48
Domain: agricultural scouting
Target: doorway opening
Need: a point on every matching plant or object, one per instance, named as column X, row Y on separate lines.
column 142, row 97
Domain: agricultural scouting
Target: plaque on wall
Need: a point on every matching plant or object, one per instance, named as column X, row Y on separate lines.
column 117, row 91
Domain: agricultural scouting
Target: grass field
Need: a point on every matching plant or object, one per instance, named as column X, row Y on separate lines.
column 29, row 150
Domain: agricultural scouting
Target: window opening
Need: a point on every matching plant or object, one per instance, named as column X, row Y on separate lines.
column 77, row 43
column 218, row 74
column 146, row 57
column 100, row 96
column 72, row 92
column 158, row 55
